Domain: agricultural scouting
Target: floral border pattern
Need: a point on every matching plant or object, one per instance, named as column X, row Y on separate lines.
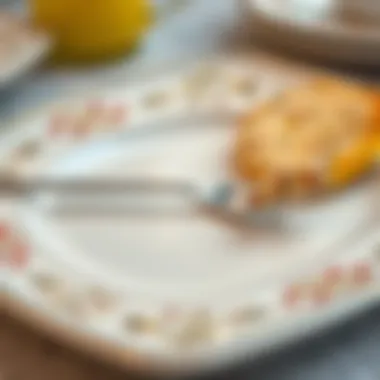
column 216, row 87
column 183, row 328
column 97, row 117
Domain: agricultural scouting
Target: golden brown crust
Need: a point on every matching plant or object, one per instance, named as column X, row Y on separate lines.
column 315, row 137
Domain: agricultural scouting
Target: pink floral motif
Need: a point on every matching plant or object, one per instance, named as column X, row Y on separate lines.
column 18, row 255
column 13, row 250
column 117, row 114
column 95, row 109
column 59, row 124
column 361, row 274
column 292, row 296
column 95, row 116
column 321, row 294
column 333, row 275
column 321, row 290
column 4, row 232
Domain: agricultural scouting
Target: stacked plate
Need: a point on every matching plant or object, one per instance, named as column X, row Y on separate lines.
column 324, row 29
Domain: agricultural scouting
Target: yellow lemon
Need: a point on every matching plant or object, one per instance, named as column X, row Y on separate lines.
column 92, row 29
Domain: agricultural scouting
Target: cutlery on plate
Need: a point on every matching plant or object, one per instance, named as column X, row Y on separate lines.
column 98, row 196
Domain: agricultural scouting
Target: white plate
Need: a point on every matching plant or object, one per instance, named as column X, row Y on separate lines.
column 182, row 292
column 317, row 28
column 21, row 47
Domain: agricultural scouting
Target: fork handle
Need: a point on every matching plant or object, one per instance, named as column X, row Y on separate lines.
column 94, row 186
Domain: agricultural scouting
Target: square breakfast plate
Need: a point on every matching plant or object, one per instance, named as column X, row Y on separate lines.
column 176, row 292
column 22, row 47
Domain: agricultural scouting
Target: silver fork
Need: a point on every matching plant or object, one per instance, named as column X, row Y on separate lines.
column 130, row 196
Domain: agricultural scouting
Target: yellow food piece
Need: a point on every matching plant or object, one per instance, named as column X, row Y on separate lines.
column 318, row 136
column 92, row 28
column 354, row 162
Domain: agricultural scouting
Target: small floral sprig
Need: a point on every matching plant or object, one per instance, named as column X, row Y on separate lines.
column 95, row 116
column 14, row 252
column 333, row 282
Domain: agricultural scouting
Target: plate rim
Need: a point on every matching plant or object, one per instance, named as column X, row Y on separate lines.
column 324, row 29
column 29, row 311
column 305, row 326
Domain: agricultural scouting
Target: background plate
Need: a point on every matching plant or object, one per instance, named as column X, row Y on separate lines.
column 315, row 28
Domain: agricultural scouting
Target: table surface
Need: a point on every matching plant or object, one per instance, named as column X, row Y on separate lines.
column 350, row 352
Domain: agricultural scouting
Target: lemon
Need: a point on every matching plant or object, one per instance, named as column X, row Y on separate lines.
column 92, row 29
